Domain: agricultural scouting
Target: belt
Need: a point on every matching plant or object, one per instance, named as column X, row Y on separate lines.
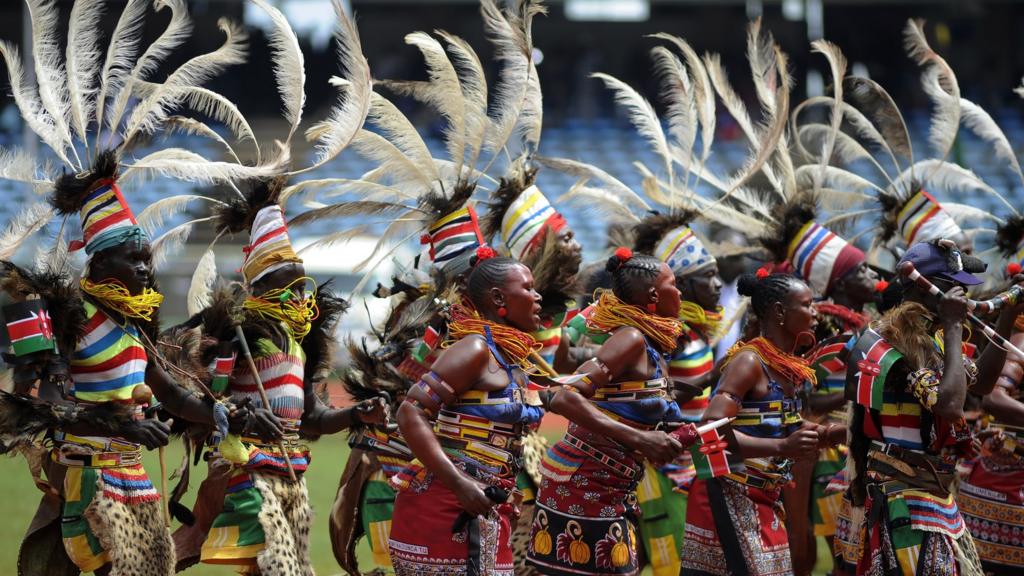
column 476, row 425
column 754, row 481
column 911, row 467
column 479, row 448
column 630, row 472
column 627, row 391
column 291, row 444
column 97, row 459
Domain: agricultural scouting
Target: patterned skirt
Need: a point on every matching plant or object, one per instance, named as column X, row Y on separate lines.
column 114, row 516
column 734, row 529
column 992, row 505
column 423, row 542
column 909, row 532
column 586, row 510
column 265, row 523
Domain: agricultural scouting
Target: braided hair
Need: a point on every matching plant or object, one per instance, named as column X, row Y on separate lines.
column 488, row 271
column 632, row 274
column 766, row 289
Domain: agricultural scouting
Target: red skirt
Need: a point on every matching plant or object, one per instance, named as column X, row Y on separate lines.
column 750, row 519
column 422, row 542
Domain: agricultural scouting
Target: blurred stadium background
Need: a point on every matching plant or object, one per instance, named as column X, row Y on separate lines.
column 980, row 39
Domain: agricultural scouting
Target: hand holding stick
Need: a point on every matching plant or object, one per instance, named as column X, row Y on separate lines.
column 263, row 395
column 907, row 269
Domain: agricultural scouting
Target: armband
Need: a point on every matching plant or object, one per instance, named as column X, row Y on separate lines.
column 438, row 393
column 730, row 396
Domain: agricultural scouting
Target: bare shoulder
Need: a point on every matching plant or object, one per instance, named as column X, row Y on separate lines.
column 467, row 356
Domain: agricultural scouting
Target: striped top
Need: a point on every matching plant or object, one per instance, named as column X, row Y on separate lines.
column 688, row 365
column 109, row 360
column 282, row 373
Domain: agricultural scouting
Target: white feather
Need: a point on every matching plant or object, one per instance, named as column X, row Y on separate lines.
column 200, row 290
column 191, row 167
column 82, row 58
column 177, row 31
column 152, row 218
column 397, row 129
column 289, row 67
column 643, row 117
column 599, row 200
column 446, row 93
column 703, row 92
column 50, row 72
column 836, row 178
column 172, row 241
column 23, row 226
column 27, row 99
column 473, row 83
column 21, row 166
column 946, row 116
column 156, row 107
column 346, row 117
column 978, row 121
column 395, row 165
column 512, row 52
column 121, row 54
column 584, row 170
column 963, row 212
column 197, row 128
column 942, row 175
column 677, row 94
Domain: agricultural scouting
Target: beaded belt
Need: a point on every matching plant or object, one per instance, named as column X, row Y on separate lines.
column 629, row 391
column 97, row 459
column 624, row 469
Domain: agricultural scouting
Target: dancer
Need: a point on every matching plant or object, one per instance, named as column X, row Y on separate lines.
column 586, row 515
column 908, row 379
column 456, row 505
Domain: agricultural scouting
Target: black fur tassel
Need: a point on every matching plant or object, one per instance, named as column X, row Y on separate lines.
column 649, row 232
column 69, row 190
column 317, row 344
column 237, row 216
column 1010, row 235
column 791, row 217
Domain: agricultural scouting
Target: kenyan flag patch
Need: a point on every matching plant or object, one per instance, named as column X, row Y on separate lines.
column 29, row 327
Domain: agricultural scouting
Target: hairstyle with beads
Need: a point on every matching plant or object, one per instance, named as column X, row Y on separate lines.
column 765, row 290
column 486, row 274
column 631, row 273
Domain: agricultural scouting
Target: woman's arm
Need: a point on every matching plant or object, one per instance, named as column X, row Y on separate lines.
column 457, row 370
column 999, row 402
column 624, row 350
column 738, row 379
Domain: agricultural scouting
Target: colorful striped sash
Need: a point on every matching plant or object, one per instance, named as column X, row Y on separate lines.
column 282, row 375
column 109, row 361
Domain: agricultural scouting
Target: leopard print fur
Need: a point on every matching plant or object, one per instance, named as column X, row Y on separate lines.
column 135, row 537
column 286, row 518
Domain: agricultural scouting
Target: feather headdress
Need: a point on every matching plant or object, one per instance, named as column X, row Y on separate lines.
column 416, row 194
column 876, row 133
column 689, row 85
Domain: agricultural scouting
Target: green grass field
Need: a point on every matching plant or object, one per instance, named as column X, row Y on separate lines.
column 19, row 498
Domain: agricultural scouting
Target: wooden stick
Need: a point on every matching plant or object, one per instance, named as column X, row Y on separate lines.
column 537, row 359
column 163, row 486
column 263, row 395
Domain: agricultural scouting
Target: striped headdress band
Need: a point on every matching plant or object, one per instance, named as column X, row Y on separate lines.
column 821, row 257
column 922, row 219
column 683, row 251
column 269, row 247
column 106, row 219
column 526, row 220
column 454, row 238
